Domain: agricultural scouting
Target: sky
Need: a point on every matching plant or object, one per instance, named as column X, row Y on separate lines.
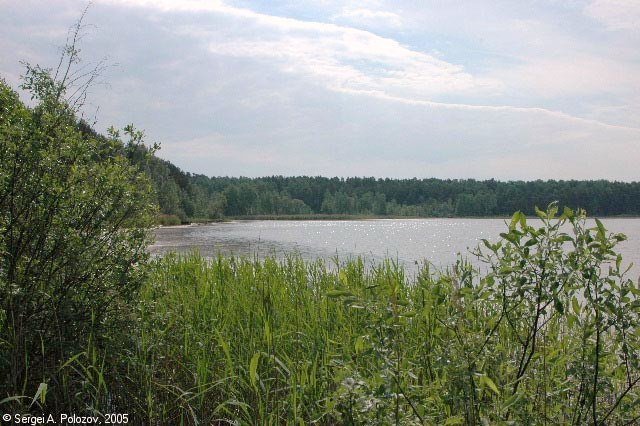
column 512, row 90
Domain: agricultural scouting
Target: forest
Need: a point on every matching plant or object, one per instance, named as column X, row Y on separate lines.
column 189, row 196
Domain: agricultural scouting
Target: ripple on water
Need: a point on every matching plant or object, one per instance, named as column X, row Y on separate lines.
column 407, row 240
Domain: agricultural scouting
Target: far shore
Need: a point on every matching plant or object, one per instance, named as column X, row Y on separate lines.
column 329, row 217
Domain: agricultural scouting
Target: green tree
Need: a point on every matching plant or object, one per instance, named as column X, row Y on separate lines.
column 328, row 203
column 465, row 205
column 380, row 204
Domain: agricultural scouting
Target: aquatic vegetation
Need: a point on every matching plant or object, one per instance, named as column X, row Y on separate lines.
column 548, row 335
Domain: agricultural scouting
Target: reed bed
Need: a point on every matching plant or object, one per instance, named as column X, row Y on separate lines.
column 243, row 341
column 547, row 333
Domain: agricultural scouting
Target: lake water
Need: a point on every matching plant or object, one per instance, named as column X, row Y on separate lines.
column 409, row 241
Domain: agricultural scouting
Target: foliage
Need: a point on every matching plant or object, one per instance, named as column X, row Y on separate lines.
column 546, row 334
column 168, row 220
column 74, row 215
column 198, row 196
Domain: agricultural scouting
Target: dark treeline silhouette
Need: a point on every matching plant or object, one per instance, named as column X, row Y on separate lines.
column 191, row 196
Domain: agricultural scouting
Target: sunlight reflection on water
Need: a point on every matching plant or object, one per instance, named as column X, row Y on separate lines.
column 409, row 241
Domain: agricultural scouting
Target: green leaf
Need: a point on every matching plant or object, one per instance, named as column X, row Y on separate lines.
column 568, row 213
column 267, row 332
column 575, row 305
column 512, row 237
column 523, row 220
column 339, row 293
column 487, row 381
column 253, row 369
column 620, row 237
column 225, row 348
column 72, row 360
column 13, row 398
column 514, row 220
column 360, row 344
column 602, row 232
column 488, row 244
column 455, row 420
column 41, row 394
column 510, row 401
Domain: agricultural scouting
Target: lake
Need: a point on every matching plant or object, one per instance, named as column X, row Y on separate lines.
column 409, row 241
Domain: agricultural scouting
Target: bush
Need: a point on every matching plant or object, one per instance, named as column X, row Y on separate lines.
column 74, row 215
column 168, row 220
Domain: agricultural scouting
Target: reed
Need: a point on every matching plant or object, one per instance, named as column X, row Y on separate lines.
column 296, row 342
column 546, row 334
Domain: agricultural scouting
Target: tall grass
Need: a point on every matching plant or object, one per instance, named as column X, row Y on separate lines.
column 295, row 342
column 548, row 333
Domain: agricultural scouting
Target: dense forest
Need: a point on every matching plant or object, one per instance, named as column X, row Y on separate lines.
column 191, row 196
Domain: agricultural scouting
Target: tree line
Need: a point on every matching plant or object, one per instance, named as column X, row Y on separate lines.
column 194, row 196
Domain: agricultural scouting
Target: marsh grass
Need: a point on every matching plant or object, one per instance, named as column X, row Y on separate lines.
column 245, row 341
column 297, row 342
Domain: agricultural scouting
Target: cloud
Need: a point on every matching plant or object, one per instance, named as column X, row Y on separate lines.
column 616, row 14
column 581, row 74
column 368, row 136
column 382, row 115
column 359, row 62
column 174, row 5
column 343, row 58
column 368, row 17
column 500, row 108
column 231, row 91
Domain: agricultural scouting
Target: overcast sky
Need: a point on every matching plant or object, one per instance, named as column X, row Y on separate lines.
column 506, row 89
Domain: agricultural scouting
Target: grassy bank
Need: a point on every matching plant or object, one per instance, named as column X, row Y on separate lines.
column 172, row 220
column 547, row 336
column 294, row 342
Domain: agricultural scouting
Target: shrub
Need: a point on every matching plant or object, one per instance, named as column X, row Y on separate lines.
column 74, row 215
column 168, row 220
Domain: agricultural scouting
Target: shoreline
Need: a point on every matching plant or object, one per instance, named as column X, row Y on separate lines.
column 346, row 218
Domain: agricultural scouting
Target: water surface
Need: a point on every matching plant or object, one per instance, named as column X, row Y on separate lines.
column 410, row 241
